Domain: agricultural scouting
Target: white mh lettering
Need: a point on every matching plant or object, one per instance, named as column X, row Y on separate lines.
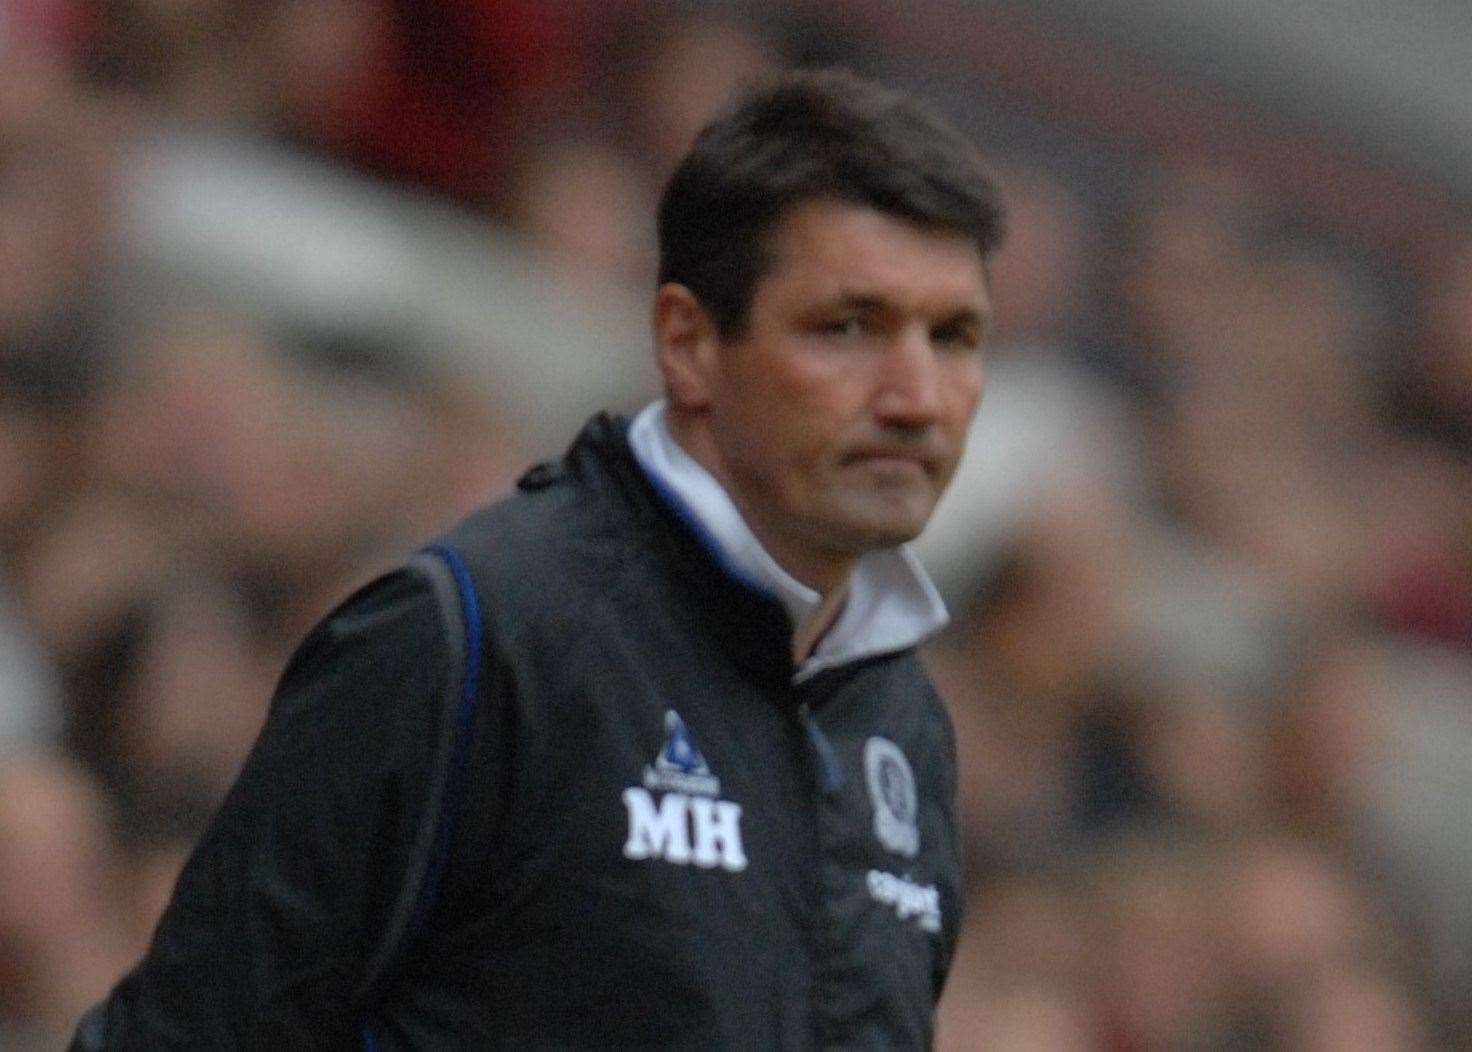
column 664, row 831
column 718, row 834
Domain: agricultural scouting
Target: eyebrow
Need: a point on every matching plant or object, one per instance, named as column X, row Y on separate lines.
column 868, row 302
column 859, row 301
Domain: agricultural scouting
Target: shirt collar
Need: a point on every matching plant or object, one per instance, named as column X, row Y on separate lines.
column 891, row 603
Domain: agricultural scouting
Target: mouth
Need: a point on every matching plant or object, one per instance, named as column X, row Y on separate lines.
column 894, row 460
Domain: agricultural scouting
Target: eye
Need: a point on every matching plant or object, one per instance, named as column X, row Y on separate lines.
column 957, row 336
column 847, row 326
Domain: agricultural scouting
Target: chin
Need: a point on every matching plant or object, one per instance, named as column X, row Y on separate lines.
column 874, row 533
column 866, row 522
column 897, row 535
column 903, row 521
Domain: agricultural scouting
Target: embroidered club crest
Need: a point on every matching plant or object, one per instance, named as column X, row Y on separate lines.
column 892, row 791
column 679, row 765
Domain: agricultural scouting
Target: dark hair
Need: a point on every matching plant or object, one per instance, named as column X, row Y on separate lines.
column 809, row 135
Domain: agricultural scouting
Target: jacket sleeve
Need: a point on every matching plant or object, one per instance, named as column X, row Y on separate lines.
column 294, row 900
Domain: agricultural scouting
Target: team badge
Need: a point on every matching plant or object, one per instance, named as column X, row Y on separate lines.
column 892, row 790
column 679, row 765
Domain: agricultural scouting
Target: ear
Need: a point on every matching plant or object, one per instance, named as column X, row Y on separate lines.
column 686, row 343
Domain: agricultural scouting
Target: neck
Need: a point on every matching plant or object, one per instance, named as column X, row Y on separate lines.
column 826, row 573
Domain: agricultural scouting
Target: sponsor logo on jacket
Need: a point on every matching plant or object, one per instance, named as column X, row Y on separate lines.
column 910, row 900
column 685, row 824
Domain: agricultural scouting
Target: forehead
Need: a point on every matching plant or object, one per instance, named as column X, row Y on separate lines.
column 823, row 249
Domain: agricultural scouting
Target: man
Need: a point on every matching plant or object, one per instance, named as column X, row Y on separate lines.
column 642, row 756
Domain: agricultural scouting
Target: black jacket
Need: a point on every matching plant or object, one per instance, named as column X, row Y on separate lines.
column 552, row 786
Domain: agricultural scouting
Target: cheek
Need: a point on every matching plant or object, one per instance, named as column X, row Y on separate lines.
column 771, row 427
column 964, row 386
column 808, row 404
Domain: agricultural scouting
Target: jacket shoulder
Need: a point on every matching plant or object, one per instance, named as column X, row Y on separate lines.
column 544, row 543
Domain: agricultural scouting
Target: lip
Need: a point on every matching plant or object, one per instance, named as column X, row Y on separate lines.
column 892, row 458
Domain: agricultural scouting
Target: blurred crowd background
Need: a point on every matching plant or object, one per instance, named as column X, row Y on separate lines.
column 288, row 285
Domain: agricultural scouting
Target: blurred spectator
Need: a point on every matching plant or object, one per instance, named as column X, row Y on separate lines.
column 585, row 207
column 1415, row 559
column 1435, row 389
column 40, row 27
column 87, row 570
column 30, row 701
column 318, row 63
column 1034, row 674
column 1371, row 746
column 197, row 697
column 1158, row 977
column 1354, row 1010
column 678, row 65
column 1203, row 761
column 1011, row 1014
column 1287, row 911
column 192, row 62
column 1332, row 729
column 61, row 944
column 1020, row 976
column 57, row 161
column 1179, row 278
column 1041, row 285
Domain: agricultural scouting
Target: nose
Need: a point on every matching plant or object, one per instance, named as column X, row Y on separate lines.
column 910, row 391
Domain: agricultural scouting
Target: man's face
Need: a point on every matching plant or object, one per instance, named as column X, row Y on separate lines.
column 840, row 411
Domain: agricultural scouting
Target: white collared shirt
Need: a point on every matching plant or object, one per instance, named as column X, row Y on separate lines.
column 891, row 603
